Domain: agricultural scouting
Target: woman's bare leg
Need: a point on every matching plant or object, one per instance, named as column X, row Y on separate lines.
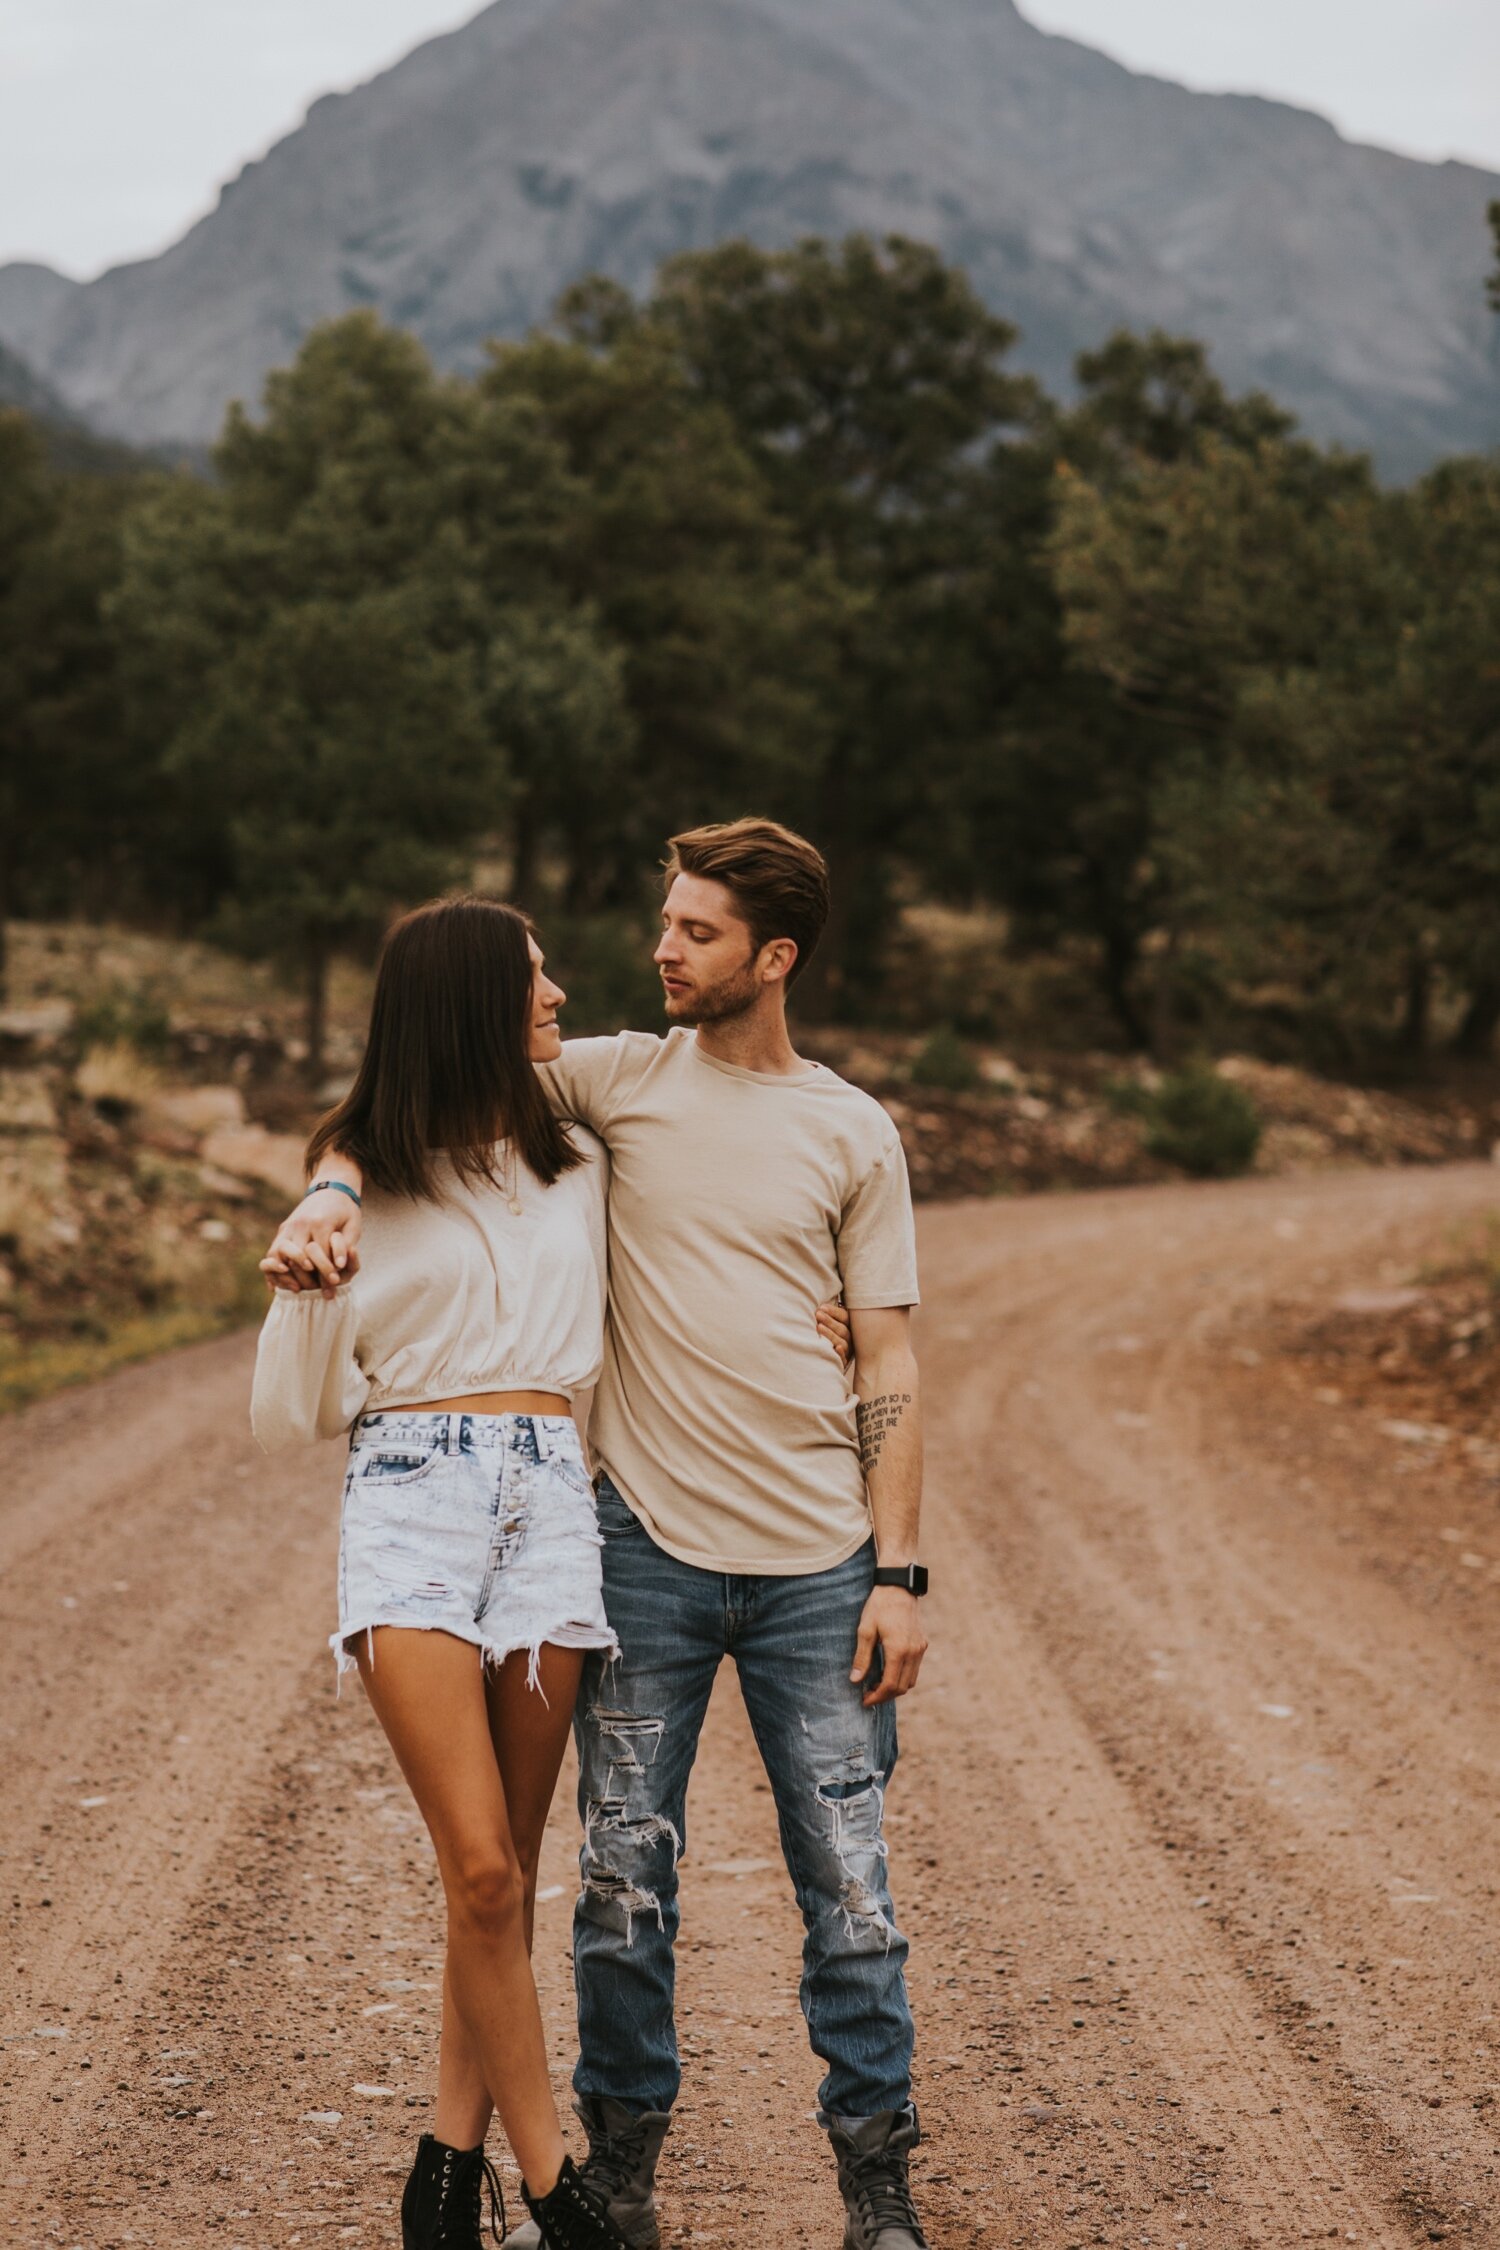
column 529, row 1738
column 428, row 1692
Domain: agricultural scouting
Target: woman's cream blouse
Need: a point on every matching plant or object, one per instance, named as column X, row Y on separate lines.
column 494, row 1288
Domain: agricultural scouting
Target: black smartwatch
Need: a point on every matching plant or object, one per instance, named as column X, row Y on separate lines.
column 912, row 1575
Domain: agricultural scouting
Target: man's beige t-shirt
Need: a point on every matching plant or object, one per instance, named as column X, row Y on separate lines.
column 738, row 1203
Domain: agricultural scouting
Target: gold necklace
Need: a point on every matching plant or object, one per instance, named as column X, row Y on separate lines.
column 511, row 1186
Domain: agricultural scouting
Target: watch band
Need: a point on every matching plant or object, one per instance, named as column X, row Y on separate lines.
column 342, row 1189
column 913, row 1576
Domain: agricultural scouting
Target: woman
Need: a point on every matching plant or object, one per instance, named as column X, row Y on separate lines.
column 469, row 1574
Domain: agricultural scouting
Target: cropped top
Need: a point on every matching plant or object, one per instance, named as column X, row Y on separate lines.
column 487, row 1288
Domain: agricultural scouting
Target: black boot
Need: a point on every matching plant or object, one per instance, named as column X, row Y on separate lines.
column 574, row 2216
column 442, row 2207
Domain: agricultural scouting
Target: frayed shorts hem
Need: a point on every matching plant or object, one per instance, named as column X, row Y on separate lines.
column 493, row 1653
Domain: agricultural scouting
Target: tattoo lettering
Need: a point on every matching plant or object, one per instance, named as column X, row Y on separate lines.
column 874, row 1420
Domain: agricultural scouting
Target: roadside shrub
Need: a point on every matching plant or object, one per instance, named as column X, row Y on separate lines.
column 945, row 1062
column 124, row 1015
column 1203, row 1122
column 1130, row 1097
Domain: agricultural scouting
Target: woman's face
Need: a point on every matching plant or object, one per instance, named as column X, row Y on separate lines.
column 545, row 1042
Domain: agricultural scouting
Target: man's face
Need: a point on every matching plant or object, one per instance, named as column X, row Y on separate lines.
column 707, row 957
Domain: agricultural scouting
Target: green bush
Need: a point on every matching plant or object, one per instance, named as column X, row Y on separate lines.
column 946, row 1063
column 1203, row 1122
column 123, row 1015
column 1129, row 1097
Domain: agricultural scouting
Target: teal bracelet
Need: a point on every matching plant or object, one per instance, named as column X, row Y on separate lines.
column 318, row 1184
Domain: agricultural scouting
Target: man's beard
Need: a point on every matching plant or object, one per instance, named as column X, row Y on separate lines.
column 716, row 1003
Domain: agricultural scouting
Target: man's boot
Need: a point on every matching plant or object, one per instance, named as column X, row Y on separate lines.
column 873, row 2155
column 620, row 2165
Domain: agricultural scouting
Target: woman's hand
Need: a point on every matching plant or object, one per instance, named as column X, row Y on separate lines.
column 833, row 1327
column 316, row 1247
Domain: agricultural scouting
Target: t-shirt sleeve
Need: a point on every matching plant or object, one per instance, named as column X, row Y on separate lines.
column 583, row 1081
column 877, row 1242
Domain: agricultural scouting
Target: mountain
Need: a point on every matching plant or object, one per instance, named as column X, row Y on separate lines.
column 70, row 444
column 21, row 386
column 461, row 190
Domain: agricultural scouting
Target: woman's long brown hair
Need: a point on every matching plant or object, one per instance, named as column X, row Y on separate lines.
column 445, row 1065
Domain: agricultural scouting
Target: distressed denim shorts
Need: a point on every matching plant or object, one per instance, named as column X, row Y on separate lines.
column 478, row 1525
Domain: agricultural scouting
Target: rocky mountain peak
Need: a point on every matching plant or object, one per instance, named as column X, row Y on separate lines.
column 461, row 190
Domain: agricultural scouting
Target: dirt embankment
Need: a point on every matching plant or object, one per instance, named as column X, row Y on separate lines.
column 1036, row 1123
column 153, row 1107
column 142, row 1168
column 133, row 1208
column 1194, row 1833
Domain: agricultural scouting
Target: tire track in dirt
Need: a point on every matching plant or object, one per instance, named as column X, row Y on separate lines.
column 158, row 1592
column 1136, row 1554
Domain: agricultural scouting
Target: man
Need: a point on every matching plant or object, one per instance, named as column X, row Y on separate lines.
column 738, row 1488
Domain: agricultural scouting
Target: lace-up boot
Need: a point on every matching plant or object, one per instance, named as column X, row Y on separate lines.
column 443, row 2204
column 873, row 2154
column 574, row 2216
column 621, row 2163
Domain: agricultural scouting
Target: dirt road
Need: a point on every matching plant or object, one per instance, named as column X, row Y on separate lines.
column 1195, row 1832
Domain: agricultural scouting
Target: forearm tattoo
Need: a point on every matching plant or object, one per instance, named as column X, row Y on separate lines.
column 874, row 1420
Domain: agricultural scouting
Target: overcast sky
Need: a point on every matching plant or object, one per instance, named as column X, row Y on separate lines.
column 119, row 121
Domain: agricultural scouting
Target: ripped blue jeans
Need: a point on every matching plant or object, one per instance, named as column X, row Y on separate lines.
column 828, row 1760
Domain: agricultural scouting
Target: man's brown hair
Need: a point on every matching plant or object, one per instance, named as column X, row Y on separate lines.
column 777, row 879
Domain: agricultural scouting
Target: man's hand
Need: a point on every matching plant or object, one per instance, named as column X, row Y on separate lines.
column 892, row 1622
column 317, row 1246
